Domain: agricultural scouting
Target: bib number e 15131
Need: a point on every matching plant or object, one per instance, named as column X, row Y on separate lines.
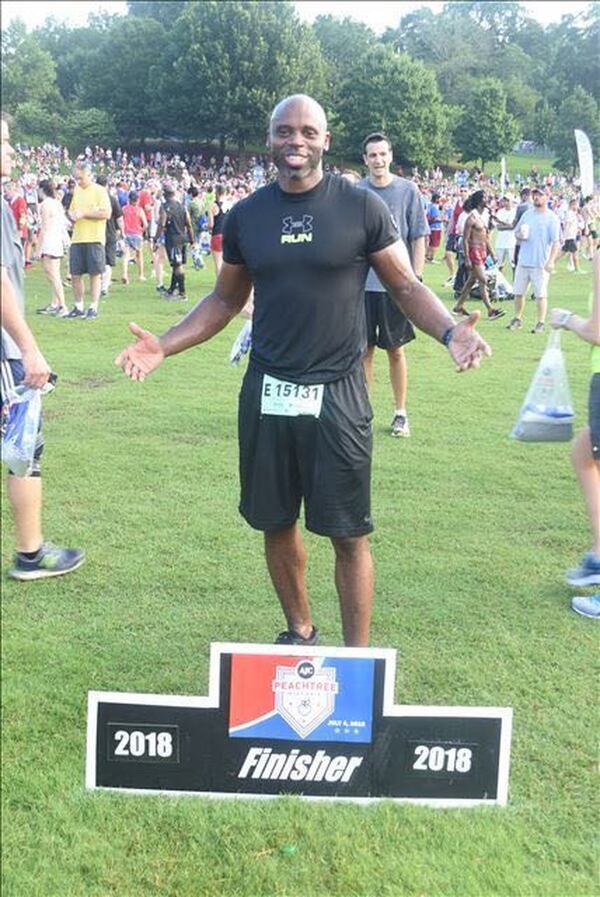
column 286, row 399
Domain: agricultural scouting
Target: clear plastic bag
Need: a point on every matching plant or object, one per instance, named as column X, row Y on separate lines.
column 547, row 413
column 242, row 344
column 20, row 431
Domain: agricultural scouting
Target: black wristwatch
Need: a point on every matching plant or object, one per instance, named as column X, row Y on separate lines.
column 448, row 335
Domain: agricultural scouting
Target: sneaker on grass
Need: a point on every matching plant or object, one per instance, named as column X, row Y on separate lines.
column 588, row 572
column 539, row 328
column 515, row 324
column 587, row 605
column 49, row 561
column 91, row 314
column 75, row 313
column 289, row 637
column 400, row 425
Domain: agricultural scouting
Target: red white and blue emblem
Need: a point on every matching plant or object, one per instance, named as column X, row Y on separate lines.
column 308, row 698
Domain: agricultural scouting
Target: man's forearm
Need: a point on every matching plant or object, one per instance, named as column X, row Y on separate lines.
column 417, row 251
column 424, row 309
column 204, row 320
column 554, row 253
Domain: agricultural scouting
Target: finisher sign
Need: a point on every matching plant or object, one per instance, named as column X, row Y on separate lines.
column 284, row 720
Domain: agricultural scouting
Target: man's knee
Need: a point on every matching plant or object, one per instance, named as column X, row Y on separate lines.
column 396, row 353
column 348, row 548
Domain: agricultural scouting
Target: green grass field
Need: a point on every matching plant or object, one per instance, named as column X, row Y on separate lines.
column 474, row 532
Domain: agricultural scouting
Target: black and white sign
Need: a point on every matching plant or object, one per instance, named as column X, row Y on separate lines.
column 320, row 723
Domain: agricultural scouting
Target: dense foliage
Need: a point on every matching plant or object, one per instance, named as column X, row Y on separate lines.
column 468, row 81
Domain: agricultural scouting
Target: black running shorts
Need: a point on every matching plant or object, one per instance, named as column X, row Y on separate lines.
column 176, row 253
column 387, row 326
column 594, row 415
column 87, row 258
column 325, row 461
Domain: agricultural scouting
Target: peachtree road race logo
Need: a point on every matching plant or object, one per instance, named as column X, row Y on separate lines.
column 305, row 695
column 315, row 698
column 319, row 724
column 297, row 231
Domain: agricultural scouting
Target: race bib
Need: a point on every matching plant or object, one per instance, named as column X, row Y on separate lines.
column 290, row 399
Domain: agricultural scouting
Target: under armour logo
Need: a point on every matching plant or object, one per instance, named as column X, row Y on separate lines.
column 303, row 225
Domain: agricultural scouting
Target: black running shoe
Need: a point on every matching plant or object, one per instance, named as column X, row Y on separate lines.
column 289, row 637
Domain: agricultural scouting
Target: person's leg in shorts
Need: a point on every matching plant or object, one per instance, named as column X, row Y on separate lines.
column 477, row 275
column 33, row 559
column 51, row 266
column 96, row 263
column 450, row 257
column 216, row 250
column 539, row 285
column 585, row 457
column 125, row 260
column 326, row 461
column 110, row 260
column 77, row 267
column 177, row 255
column 521, row 281
column 389, row 329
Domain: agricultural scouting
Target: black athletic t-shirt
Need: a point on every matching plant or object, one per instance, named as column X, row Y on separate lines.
column 175, row 222
column 307, row 256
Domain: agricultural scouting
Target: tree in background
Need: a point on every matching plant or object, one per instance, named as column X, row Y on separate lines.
column 389, row 91
column 227, row 64
column 28, row 71
column 578, row 110
column 486, row 131
column 199, row 71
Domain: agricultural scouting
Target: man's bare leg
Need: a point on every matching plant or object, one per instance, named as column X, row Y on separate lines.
column 368, row 366
column 286, row 561
column 95, row 287
column 398, row 376
column 588, row 474
column 78, row 290
column 354, row 580
column 25, row 496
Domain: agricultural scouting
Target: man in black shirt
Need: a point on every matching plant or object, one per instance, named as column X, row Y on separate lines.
column 305, row 243
column 174, row 222
column 113, row 229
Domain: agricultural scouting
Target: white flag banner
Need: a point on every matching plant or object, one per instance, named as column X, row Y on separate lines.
column 586, row 162
column 503, row 173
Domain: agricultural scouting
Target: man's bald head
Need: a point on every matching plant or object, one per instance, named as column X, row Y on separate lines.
column 300, row 101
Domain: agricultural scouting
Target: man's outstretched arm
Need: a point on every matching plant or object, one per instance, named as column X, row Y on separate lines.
column 425, row 310
column 203, row 321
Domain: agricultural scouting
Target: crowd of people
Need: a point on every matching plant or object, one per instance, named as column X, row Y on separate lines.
column 206, row 187
column 110, row 205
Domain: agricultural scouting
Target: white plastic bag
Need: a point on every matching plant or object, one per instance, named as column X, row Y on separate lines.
column 20, row 431
column 547, row 413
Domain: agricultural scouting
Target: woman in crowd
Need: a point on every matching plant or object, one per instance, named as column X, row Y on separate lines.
column 53, row 240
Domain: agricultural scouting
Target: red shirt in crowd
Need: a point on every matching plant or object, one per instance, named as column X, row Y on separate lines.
column 133, row 220
column 19, row 210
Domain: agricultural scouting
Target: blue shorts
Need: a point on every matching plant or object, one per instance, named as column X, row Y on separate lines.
column 13, row 374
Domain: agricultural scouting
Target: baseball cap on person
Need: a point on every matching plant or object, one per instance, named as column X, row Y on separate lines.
column 133, row 196
column 168, row 190
column 536, row 190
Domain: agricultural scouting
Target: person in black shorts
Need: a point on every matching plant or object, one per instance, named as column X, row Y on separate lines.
column 174, row 221
column 305, row 243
